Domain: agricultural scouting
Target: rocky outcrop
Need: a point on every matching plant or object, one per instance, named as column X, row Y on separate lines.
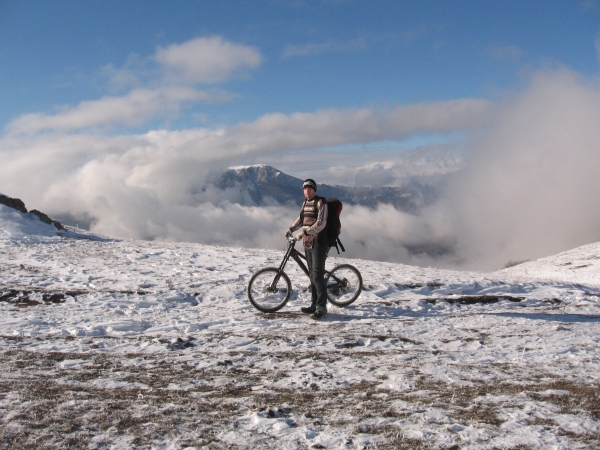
column 18, row 204
column 13, row 203
column 44, row 218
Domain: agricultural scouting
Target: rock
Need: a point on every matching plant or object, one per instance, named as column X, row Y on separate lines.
column 44, row 218
column 13, row 203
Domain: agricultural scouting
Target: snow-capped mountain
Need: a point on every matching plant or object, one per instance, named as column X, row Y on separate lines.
column 260, row 182
column 137, row 344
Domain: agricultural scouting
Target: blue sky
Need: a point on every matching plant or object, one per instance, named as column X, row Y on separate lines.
column 315, row 54
column 118, row 113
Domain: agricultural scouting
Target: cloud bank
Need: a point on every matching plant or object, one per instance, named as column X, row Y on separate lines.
column 522, row 185
column 134, row 108
column 529, row 185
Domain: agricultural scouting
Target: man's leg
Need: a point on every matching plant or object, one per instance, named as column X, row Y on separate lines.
column 317, row 278
column 309, row 253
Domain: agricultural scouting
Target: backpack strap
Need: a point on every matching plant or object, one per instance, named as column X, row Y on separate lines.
column 341, row 245
column 338, row 244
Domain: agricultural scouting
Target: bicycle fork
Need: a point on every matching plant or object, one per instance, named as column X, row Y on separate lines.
column 286, row 258
column 296, row 256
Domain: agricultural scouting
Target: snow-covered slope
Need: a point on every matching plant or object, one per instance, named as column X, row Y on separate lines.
column 144, row 344
column 21, row 227
column 578, row 266
column 14, row 224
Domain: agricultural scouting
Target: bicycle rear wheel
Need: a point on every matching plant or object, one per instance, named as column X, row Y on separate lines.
column 344, row 284
column 269, row 289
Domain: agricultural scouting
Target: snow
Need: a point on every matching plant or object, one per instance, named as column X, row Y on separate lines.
column 155, row 345
column 18, row 225
column 252, row 166
column 580, row 265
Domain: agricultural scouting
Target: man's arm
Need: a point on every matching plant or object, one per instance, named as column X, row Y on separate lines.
column 297, row 224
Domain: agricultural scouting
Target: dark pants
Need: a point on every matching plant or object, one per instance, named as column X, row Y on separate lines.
column 315, row 258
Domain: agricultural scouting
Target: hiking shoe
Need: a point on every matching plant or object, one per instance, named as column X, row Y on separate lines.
column 318, row 315
column 309, row 310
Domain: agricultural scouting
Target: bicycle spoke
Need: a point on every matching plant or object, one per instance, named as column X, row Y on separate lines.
column 269, row 290
column 344, row 284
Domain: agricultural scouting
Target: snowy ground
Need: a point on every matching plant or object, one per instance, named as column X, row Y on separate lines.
column 134, row 344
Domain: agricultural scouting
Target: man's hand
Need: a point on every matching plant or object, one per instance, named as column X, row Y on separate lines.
column 288, row 233
column 299, row 235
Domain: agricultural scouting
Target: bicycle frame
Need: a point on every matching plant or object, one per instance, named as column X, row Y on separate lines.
column 295, row 255
column 291, row 252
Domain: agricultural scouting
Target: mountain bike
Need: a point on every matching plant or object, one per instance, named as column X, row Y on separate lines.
column 269, row 289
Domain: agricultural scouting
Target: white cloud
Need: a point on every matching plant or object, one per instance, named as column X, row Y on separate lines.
column 207, row 59
column 280, row 132
column 134, row 108
column 124, row 78
column 150, row 157
column 528, row 186
column 151, row 185
column 396, row 170
column 396, row 161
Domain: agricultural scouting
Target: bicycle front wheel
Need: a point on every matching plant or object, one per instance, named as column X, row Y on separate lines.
column 269, row 289
column 344, row 284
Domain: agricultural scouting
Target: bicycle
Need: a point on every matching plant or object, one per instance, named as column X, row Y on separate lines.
column 269, row 289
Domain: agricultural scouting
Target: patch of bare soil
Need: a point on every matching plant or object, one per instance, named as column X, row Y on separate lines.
column 45, row 406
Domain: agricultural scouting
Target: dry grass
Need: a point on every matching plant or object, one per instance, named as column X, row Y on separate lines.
column 513, row 263
column 48, row 407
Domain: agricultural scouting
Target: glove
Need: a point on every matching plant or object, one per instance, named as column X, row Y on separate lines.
column 288, row 233
column 299, row 235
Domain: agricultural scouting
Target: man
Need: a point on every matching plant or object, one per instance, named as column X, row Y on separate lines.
column 312, row 220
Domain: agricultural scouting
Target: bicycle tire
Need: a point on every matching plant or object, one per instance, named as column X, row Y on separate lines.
column 351, row 286
column 259, row 290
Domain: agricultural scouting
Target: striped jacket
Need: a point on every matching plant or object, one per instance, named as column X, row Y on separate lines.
column 312, row 218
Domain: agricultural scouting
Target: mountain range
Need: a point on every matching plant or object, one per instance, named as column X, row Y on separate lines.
column 261, row 183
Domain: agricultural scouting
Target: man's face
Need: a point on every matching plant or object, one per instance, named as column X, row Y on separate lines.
column 309, row 193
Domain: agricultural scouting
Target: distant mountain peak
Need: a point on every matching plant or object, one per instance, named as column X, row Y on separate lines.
column 260, row 181
column 252, row 167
